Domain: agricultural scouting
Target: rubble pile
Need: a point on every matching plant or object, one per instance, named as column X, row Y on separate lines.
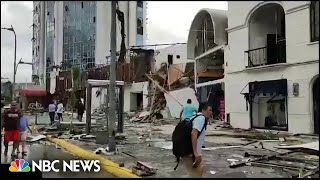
column 164, row 80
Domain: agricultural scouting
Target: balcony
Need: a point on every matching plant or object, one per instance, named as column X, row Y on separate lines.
column 272, row 54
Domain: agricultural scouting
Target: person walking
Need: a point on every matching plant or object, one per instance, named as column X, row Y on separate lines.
column 193, row 163
column 188, row 110
column 23, row 134
column 11, row 127
column 60, row 110
column 80, row 110
column 52, row 111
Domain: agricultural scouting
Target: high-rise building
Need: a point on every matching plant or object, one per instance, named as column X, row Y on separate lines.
column 78, row 32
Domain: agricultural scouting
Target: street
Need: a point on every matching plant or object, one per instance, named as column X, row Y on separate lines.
column 47, row 151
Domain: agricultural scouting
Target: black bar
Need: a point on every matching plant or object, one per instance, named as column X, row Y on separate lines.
column 120, row 109
column 88, row 108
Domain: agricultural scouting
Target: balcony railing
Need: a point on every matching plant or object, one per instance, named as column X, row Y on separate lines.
column 266, row 55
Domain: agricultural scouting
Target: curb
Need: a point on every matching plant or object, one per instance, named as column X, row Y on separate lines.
column 107, row 165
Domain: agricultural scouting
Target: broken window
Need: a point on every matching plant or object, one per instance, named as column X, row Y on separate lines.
column 178, row 56
column 170, row 59
column 314, row 10
column 268, row 104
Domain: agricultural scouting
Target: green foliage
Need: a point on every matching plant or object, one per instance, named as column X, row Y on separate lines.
column 75, row 73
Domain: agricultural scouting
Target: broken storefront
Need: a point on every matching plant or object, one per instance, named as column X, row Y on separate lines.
column 267, row 102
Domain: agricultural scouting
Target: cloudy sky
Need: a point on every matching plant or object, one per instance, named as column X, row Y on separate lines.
column 168, row 22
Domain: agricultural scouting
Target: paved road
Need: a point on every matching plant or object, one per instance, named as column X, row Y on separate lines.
column 48, row 151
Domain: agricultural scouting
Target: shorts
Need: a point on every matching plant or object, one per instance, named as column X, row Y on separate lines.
column 59, row 115
column 23, row 136
column 188, row 164
column 13, row 135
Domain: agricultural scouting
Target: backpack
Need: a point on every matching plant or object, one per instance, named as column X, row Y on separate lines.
column 181, row 138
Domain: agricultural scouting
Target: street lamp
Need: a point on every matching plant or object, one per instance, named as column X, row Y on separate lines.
column 15, row 60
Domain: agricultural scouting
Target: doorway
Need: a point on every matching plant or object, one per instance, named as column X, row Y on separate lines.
column 315, row 90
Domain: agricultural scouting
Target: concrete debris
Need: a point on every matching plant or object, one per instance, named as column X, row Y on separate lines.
column 143, row 169
column 213, row 172
column 36, row 138
column 312, row 146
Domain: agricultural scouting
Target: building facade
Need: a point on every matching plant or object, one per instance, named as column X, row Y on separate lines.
column 174, row 54
column 78, row 32
column 272, row 65
column 206, row 42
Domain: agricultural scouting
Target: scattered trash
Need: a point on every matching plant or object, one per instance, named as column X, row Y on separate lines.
column 232, row 160
column 37, row 138
column 213, row 172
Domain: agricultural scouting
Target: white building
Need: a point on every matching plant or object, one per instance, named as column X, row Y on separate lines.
column 174, row 54
column 272, row 59
column 206, row 41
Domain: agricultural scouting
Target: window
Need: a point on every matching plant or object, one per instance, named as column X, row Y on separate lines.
column 81, row 4
column 94, row 19
column 178, row 56
column 66, row 8
column 314, row 20
column 170, row 59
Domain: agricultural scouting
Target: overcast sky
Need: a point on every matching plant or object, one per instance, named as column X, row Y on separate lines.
column 168, row 22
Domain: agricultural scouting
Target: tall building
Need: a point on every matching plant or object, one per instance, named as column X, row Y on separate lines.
column 78, row 32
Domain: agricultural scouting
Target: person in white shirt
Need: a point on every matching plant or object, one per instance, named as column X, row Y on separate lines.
column 60, row 110
column 52, row 111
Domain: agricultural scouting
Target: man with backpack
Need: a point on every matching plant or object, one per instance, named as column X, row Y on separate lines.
column 188, row 139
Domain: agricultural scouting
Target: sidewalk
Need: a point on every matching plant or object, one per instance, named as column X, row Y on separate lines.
column 152, row 144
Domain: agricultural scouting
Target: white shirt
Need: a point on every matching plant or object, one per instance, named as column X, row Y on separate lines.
column 52, row 108
column 60, row 108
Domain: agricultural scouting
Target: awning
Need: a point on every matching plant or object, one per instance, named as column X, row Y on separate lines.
column 33, row 92
column 274, row 86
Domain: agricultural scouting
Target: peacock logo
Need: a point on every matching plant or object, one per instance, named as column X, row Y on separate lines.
column 19, row 165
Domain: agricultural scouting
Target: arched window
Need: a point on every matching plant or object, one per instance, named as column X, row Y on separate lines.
column 314, row 20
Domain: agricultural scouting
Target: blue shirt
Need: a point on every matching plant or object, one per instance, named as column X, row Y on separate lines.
column 198, row 124
column 23, row 124
column 188, row 111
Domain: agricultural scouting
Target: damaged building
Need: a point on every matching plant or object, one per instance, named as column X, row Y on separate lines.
column 272, row 68
column 206, row 42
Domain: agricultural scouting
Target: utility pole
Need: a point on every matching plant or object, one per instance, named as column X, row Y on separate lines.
column 112, row 78
column 14, row 60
